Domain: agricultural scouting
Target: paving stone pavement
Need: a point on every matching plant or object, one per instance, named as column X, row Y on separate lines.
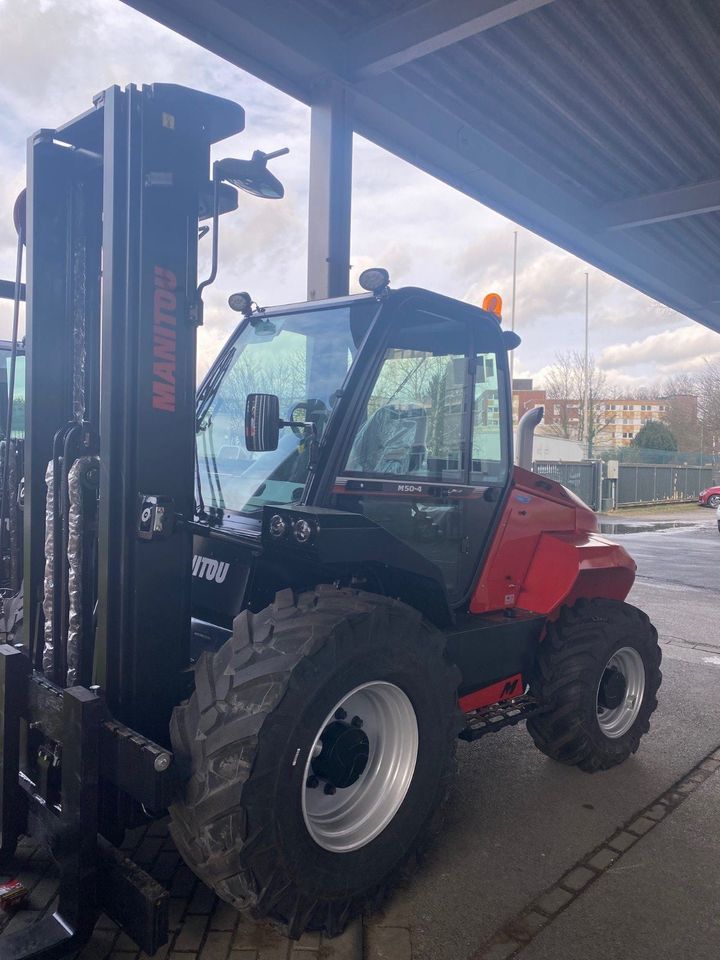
column 201, row 926
column 204, row 928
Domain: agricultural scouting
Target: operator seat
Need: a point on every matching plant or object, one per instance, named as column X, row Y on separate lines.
column 392, row 440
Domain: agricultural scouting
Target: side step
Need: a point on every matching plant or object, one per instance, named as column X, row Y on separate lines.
column 499, row 715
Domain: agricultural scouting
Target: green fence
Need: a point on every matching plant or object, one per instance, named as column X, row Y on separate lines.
column 660, row 483
column 637, row 455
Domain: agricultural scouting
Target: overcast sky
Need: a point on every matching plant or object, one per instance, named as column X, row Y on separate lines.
column 55, row 54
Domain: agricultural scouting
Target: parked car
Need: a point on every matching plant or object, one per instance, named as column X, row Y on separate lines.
column 709, row 497
column 717, row 514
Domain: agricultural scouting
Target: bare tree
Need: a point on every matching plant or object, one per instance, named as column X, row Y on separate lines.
column 562, row 383
column 566, row 381
column 283, row 375
column 708, row 381
column 681, row 395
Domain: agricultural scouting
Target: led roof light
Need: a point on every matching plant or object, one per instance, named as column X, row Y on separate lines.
column 374, row 280
column 241, row 303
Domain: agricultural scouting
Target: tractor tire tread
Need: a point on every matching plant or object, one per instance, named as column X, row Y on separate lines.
column 216, row 733
column 568, row 666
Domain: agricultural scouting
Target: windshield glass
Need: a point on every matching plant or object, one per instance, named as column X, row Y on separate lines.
column 303, row 358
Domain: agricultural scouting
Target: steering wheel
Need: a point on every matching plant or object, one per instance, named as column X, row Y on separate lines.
column 296, row 417
column 303, row 411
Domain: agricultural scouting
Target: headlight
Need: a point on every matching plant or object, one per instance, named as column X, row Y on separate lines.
column 302, row 530
column 277, row 527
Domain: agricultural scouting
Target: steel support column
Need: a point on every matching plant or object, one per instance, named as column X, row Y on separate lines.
column 331, row 134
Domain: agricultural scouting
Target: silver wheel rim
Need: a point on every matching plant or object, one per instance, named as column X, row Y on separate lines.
column 617, row 721
column 354, row 815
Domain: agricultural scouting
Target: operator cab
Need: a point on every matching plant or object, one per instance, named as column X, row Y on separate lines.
column 392, row 407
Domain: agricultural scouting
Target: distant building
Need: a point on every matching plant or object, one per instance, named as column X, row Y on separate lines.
column 549, row 447
column 561, row 414
column 564, row 416
column 623, row 419
column 524, row 398
column 617, row 420
column 685, row 405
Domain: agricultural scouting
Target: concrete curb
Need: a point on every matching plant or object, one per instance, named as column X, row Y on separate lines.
column 518, row 932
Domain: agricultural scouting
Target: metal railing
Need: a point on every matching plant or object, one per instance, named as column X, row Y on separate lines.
column 660, row 483
column 584, row 479
column 636, row 483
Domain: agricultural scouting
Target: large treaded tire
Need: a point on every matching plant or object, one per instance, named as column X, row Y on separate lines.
column 570, row 665
column 244, row 736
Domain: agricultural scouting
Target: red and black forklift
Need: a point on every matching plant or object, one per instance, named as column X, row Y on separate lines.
column 271, row 607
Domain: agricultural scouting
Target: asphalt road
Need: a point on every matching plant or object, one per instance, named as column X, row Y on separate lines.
column 519, row 822
column 660, row 901
column 517, row 871
column 678, row 578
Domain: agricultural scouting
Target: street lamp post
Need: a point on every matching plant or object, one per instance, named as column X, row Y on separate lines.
column 512, row 309
column 586, row 412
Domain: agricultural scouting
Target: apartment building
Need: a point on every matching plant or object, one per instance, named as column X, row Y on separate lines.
column 617, row 421
column 620, row 419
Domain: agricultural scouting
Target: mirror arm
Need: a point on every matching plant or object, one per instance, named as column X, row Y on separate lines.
column 214, row 255
column 313, row 437
column 308, row 424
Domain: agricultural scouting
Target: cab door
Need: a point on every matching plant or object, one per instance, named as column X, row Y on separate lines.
column 426, row 453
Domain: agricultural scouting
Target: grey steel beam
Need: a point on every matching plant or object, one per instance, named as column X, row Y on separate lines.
column 391, row 113
column 425, row 28
column 394, row 115
column 668, row 205
column 7, row 290
column 284, row 47
column 331, row 136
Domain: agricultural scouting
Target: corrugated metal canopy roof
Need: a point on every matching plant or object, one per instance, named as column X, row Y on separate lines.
column 595, row 123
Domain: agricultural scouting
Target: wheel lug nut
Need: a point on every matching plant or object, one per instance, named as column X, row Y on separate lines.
column 340, row 714
column 356, row 721
column 312, row 782
column 329, row 789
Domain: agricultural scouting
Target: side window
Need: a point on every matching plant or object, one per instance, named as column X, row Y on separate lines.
column 489, row 457
column 418, row 441
column 413, row 423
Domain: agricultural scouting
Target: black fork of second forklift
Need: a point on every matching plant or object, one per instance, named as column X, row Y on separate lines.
column 119, row 186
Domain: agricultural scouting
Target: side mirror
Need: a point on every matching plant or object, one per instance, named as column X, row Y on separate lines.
column 262, row 422
column 20, row 215
column 511, row 339
column 253, row 175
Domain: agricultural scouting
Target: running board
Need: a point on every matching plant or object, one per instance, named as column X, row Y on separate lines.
column 498, row 716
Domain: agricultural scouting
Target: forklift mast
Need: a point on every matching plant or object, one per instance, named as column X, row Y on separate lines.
column 113, row 203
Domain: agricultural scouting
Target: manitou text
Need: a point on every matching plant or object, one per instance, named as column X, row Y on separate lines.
column 164, row 340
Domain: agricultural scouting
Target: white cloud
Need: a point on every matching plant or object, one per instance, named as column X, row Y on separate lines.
column 58, row 53
column 668, row 350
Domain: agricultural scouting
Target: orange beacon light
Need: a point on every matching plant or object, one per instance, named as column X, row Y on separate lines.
column 493, row 303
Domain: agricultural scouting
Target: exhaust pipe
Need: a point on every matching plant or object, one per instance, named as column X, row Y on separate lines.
column 525, row 434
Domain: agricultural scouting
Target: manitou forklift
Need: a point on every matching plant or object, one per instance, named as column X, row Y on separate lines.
column 271, row 608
